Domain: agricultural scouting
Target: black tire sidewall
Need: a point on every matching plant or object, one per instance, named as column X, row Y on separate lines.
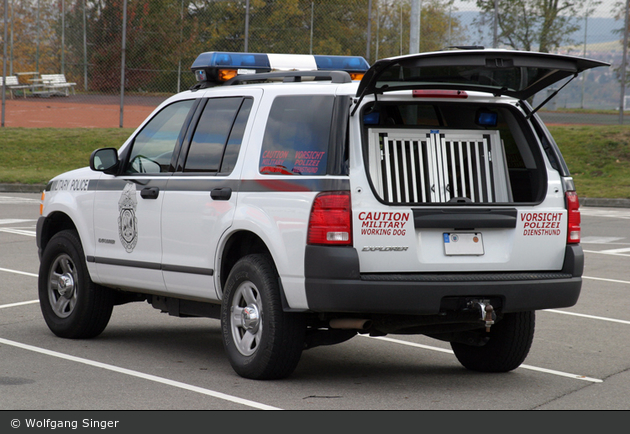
column 94, row 304
column 508, row 346
column 283, row 338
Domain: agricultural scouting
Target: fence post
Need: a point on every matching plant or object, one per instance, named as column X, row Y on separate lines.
column 623, row 62
column 246, row 42
column 369, row 30
column 63, row 36
column 85, row 64
column 4, row 62
column 122, row 62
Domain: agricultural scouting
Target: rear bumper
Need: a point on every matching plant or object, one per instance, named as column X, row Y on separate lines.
column 334, row 284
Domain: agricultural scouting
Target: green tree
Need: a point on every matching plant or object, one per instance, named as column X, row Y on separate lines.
column 533, row 25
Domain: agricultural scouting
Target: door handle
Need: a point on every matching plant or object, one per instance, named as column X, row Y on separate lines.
column 223, row 193
column 150, row 193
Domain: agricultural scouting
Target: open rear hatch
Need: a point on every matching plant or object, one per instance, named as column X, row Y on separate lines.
column 519, row 74
column 461, row 184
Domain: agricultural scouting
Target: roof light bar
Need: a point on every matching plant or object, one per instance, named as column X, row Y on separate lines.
column 212, row 68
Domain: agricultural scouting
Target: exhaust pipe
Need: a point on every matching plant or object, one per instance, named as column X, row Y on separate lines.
column 350, row 323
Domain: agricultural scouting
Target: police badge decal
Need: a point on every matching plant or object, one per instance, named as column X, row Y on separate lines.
column 127, row 221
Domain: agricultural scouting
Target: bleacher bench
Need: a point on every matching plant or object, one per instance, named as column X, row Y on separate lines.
column 13, row 83
column 56, row 83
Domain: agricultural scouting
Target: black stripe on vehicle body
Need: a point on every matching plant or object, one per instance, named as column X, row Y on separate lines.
column 464, row 218
column 189, row 183
column 151, row 265
column 118, row 184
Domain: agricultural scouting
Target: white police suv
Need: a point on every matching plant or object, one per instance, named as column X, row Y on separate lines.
column 309, row 199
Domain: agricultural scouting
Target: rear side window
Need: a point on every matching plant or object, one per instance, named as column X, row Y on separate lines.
column 217, row 139
column 297, row 135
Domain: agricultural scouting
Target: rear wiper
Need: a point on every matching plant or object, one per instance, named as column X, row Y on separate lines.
column 550, row 97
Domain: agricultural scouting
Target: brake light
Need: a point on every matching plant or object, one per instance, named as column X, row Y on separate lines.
column 573, row 208
column 436, row 93
column 330, row 222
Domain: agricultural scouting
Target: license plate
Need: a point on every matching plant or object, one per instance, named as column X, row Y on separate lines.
column 463, row 243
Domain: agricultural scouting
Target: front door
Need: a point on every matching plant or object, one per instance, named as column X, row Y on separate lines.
column 127, row 207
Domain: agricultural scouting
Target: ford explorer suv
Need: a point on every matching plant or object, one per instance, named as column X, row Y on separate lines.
column 304, row 200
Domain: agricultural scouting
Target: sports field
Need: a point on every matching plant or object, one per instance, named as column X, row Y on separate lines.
column 78, row 111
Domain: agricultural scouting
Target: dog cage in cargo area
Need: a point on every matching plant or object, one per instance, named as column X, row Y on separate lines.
column 438, row 166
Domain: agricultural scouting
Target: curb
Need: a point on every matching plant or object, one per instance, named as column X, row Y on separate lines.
column 584, row 201
column 22, row 188
column 604, row 203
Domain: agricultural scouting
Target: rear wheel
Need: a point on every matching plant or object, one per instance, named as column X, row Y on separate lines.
column 261, row 340
column 72, row 305
column 507, row 347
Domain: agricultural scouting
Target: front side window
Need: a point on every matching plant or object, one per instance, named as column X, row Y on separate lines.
column 297, row 135
column 218, row 135
column 153, row 147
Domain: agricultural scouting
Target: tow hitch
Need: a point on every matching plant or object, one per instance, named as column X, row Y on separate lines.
column 486, row 311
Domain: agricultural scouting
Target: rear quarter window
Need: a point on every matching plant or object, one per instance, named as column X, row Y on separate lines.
column 297, row 135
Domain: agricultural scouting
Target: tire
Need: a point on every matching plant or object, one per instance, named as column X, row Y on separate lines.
column 508, row 346
column 73, row 306
column 262, row 341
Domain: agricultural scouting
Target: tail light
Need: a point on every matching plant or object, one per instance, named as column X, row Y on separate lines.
column 330, row 222
column 573, row 207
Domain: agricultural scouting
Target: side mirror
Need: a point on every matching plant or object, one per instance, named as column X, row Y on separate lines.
column 105, row 160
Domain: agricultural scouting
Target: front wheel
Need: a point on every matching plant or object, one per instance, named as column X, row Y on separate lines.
column 72, row 305
column 262, row 341
column 507, row 347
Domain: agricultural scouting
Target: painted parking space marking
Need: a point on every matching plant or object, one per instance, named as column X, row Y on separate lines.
column 23, row 273
column 529, row 367
column 21, row 303
column 10, row 200
column 15, row 221
column 603, row 279
column 18, row 231
column 137, row 374
column 582, row 315
column 607, row 252
column 600, row 240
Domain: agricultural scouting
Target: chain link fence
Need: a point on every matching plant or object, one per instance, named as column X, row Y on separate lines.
column 139, row 52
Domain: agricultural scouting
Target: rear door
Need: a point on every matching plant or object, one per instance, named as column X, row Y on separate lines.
column 201, row 197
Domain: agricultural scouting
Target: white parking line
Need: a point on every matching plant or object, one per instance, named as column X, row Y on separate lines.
column 606, row 252
column 14, row 221
column 531, row 368
column 142, row 375
column 18, row 231
column 601, row 318
column 22, row 303
column 603, row 279
column 6, row 270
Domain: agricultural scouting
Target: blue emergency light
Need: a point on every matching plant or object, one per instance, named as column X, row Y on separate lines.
column 217, row 67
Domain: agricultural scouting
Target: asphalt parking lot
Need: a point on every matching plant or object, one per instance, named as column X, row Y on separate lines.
column 580, row 359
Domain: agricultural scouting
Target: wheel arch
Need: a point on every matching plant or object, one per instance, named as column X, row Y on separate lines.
column 239, row 244
column 52, row 224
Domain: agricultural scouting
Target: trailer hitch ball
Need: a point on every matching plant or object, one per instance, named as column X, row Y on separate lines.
column 489, row 319
column 486, row 311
